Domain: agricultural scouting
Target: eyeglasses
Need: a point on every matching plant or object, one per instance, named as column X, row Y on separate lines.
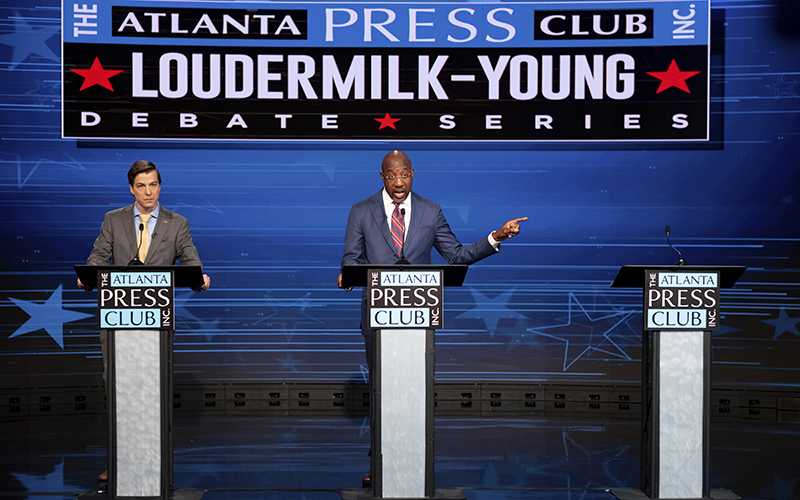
column 393, row 177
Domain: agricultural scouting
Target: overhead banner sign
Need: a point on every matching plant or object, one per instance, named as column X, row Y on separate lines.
column 533, row 71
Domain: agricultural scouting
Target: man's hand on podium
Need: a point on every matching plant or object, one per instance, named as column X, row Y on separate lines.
column 509, row 229
column 339, row 284
column 206, row 284
column 81, row 285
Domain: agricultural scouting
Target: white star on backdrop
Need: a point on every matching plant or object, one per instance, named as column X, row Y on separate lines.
column 49, row 317
column 26, row 41
column 491, row 311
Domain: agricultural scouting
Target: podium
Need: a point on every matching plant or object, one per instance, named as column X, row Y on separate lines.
column 405, row 304
column 681, row 308
column 136, row 307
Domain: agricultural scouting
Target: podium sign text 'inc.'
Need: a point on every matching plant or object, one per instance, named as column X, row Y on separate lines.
column 405, row 299
column 681, row 300
column 135, row 299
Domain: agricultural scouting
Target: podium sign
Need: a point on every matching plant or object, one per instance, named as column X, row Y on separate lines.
column 681, row 300
column 405, row 298
column 136, row 299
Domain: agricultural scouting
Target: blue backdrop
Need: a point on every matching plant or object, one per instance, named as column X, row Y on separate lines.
column 269, row 219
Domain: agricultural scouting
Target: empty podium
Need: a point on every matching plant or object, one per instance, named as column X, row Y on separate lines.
column 405, row 307
column 681, row 309
column 136, row 308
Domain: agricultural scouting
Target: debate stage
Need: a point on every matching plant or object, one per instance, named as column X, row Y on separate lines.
column 315, row 458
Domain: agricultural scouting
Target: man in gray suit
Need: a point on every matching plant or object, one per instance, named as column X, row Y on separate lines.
column 122, row 237
column 121, row 234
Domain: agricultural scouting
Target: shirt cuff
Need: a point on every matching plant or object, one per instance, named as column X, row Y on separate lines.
column 495, row 244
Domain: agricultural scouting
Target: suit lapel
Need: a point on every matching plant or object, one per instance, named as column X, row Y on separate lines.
column 379, row 214
column 417, row 214
column 129, row 228
column 162, row 225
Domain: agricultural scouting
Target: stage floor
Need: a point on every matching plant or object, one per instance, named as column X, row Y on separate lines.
column 293, row 458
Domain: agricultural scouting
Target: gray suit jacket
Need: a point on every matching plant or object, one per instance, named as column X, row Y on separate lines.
column 170, row 241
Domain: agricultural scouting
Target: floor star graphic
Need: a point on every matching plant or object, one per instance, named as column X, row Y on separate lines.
column 49, row 317
column 96, row 75
column 288, row 314
column 673, row 77
column 387, row 121
column 27, row 41
column 784, row 87
column 211, row 329
column 491, row 311
column 629, row 332
column 581, row 338
column 288, row 362
column 783, row 324
column 52, row 482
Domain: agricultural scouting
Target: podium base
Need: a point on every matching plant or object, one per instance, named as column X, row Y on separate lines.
column 439, row 493
column 634, row 494
column 177, row 494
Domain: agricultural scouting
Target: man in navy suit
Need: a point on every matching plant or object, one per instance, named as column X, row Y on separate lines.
column 369, row 238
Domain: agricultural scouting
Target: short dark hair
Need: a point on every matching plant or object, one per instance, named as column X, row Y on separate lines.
column 140, row 167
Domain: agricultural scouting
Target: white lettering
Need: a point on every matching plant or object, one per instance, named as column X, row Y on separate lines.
column 494, row 22
column 139, row 120
column 472, row 30
column 89, row 119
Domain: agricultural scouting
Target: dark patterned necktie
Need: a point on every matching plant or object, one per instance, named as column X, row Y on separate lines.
column 398, row 228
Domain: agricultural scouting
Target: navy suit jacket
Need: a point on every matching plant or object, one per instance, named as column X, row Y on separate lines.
column 368, row 239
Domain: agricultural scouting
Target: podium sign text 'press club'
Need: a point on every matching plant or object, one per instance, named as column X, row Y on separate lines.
column 136, row 299
column 405, row 299
column 681, row 300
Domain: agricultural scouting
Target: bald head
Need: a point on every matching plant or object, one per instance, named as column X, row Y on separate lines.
column 395, row 158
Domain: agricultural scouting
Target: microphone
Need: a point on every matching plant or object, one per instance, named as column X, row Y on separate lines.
column 135, row 260
column 681, row 261
column 402, row 260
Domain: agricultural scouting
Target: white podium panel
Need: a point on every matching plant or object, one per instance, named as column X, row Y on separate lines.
column 403, row 414
column 137, row 373
column 680, row 399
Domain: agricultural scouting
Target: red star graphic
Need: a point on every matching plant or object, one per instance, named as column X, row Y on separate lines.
column 387, row 121
column 673, row 77
column 96, row 75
